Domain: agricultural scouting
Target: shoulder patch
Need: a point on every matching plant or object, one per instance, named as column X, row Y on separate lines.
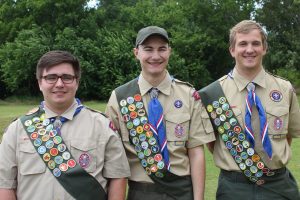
column 183, row 82
column 34, row 110
column 196, row 95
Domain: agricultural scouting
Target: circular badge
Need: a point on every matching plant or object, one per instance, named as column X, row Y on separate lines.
column 160, row 165
column 258, row 174
column 141, row 155
column 63, row 167
column 276, row 95
column 230, row 133
column 36, row 120
column 142, row 137
column 52, row 133
column 250, row 151
column 233, row 152
column 152, row 141
column 238, row 159
column 260, row 165
column 137, row 97
column 225, row 137
column 144, row 163
column 249, row 162
column 213, row 114
column 178, row 103
column 42, row 149
column 138, row 148
column 158, row 157
column 57, row 139
column 61, row 147
column 253, row 169
column 246, row 144
column 123, row 102
column 139, row 129
column 215, row 104
column 149, row 134
column 226, row 126
column 56, row 172
column 139, row 105
column 237, row 129
column 222, row 100
column 153, row 168
column 219, row 111
column 42, row 131
column 228, row 113
column 126, row 118
column 46, row 157
column 129, row 125
column 136, row 122
column 244, row 155
column 225, row 106
column 30, row 128
column 221, row 129
column 37, row 142
column 133, row 115
column 39, row 125
column 46, row 122
column 34, row 135
column 241, row 136
column 247, row 173
column 235, row 141
column 239, row 148
column 242, row 166
column 228, row 145
column 49, row 144
column 131, row 107
column 147, row 152
column 150, row 160
column 144, row 120
column 124, row 110
column 58, row 160
column 255, row 158
column 222, row 117
column 130, row 100
column 155, row 149
column 71, row 163
column 45, row 138
column 135, row 140
column 233, row 121
column 217, row 122
column 51, row 164
column 28, row 122
column 209, row 108
column 146, row 127
column 144, row 145
column 66, row 155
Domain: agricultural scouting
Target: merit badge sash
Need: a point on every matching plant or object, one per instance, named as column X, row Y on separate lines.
column 145, row 144
column 226, row 124
column 58, row 159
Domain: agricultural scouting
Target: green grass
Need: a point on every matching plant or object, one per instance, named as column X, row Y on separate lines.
column 11, row 110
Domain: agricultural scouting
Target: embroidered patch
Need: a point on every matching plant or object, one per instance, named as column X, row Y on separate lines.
column 84, row 160
column 196, row 95
column 179, row 131
column 178, row 103
column 275, row 95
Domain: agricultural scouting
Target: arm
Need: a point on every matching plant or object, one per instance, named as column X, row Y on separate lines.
column 117, row 189
column 197, row 162
column 7, row 194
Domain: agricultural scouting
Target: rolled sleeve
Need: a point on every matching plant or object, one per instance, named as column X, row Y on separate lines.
column 294, row 116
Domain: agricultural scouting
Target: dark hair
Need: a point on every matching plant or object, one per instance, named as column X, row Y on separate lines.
column 53, row 58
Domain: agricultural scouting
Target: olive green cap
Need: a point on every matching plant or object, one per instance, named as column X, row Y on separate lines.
column 144, row 33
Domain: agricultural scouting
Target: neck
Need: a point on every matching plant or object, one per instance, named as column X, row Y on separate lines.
column 154, row 80
column 249, row 74
column 58, row 109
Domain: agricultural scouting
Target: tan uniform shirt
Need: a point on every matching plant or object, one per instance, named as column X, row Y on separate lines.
column 195, row 131
column 88, row 132
column 281, row 105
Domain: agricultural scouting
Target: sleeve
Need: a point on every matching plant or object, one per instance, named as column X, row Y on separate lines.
column 115, row 162
column 294, row 116
column 8, row 159
column 201, row 131
column 111, row 110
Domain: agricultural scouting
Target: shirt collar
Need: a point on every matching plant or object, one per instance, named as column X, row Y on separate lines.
column 242, row 83
column 69, row 113
column 164, row 86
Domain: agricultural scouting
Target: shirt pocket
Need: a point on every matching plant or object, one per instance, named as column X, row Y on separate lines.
column 278, row 121
column 207, row 124
column 239, row 116
column 84, row 152
column 177, row 127
column 30, row 161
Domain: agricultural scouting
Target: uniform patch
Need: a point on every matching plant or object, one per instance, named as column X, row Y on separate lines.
column 275, row 95
column 196, row 95
column 179, row 131
column 178, row 103
column 84, row 160
column 278, row 123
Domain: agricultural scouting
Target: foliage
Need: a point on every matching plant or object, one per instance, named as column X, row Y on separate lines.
column 103, row 37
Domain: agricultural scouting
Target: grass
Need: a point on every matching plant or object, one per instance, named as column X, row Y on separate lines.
column 10, row 110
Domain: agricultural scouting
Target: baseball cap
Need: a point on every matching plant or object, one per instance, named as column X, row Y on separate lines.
column 144, row 33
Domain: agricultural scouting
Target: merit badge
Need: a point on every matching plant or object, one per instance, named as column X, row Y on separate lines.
column 126, row 118
column 275, row 95
column 66, row 155
column 152, row 141
column 230, row 133
column 150, row 160
column 221, row 129
column 34, row 135
column 51, row 164
column 228, row 145
column 136, row 122
column 56, row 172
column 84, row 160
column 209, row 108
column 49, row 144
column 213, row 115
column 36, row 120
column 242, row 166
column 260, row 165
column 226, row 125
column 45, row 138
column 42, row 131
column 71, row 163
column 228, row 113
column 249, row 162
column 123, row 102
column 144, row 145
column 148, row 170
column 178, row 103
column 250, row 151
column 149, row 134
column 160, row 165
column 130, row 100
column 139, row 105
column 239, row 148
column 37, row 142
column 49, row 127
column 217, row 121
column 155, row 149
column 147, row 152
column 46, row 122
column 58, row 160
column 57, row 139
column 124, row 110
column 141, row 155
column 144, row 120
column 137, row 148
column 158, row 157
column 244, row 155
column 179, row 130
column 153, row 168
column 222, row 117
column 225, row 106
column 52, row 133
column 137, row 97
column 139, row 129
column 238, row 159
column 253, row 169
column 46, row 157
column 131, row 107
column 255, row 158
column 225, row 137
column 235, row 141
column 141, row 112
column 219, row 111
column 30, row 128
column 215, row 104
column 277, row 123
column 61, row 147
column 247, row 173
column 132, row 132
column 222, row 100
column 233, row 152
column 246, row 144
column 63, row 167
column 144, row 163
column 42, row 149
column 28, row 122
column 142, row 137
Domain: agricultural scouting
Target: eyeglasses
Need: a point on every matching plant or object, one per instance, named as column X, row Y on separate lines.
column 53, row 78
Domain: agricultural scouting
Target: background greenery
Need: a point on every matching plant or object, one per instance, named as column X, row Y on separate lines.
column 102, row 37
column 10, row 110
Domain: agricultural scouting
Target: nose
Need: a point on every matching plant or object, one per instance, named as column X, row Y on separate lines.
column 59, row 82
column 249, row 48
column 156, row 55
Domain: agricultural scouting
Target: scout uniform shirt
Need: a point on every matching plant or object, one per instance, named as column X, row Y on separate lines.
column 90, row 140
column 184, row 127
column 281, row 105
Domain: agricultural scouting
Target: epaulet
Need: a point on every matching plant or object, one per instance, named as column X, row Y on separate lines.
column 183, row 82
column 97, row 111
column 224, row 77
column 32, row 111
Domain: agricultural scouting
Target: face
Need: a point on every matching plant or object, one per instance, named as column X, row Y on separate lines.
column 248, row 51
column 59, row 96
column 153, row 55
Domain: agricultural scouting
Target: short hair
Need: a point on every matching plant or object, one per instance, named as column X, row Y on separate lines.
column 53, row 58
column 246, row 26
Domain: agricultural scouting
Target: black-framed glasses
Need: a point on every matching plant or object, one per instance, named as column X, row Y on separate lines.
column 65, row 78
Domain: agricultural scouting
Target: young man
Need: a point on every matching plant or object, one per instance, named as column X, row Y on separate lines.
column 255, row 115
column 62, row 149
column 160, row 125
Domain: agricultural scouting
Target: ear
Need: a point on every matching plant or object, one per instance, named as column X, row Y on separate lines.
column 40, row 83
column 135, row 52
column 232, row 51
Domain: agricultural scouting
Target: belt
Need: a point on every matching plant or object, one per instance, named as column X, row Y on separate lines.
column 241, row 178
column 149, row 187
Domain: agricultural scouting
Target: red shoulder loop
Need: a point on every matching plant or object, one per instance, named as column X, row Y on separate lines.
column 196, row 95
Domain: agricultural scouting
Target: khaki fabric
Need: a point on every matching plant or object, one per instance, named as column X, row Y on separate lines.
column 196, row 131
column 88, row 132
column 283, row 117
